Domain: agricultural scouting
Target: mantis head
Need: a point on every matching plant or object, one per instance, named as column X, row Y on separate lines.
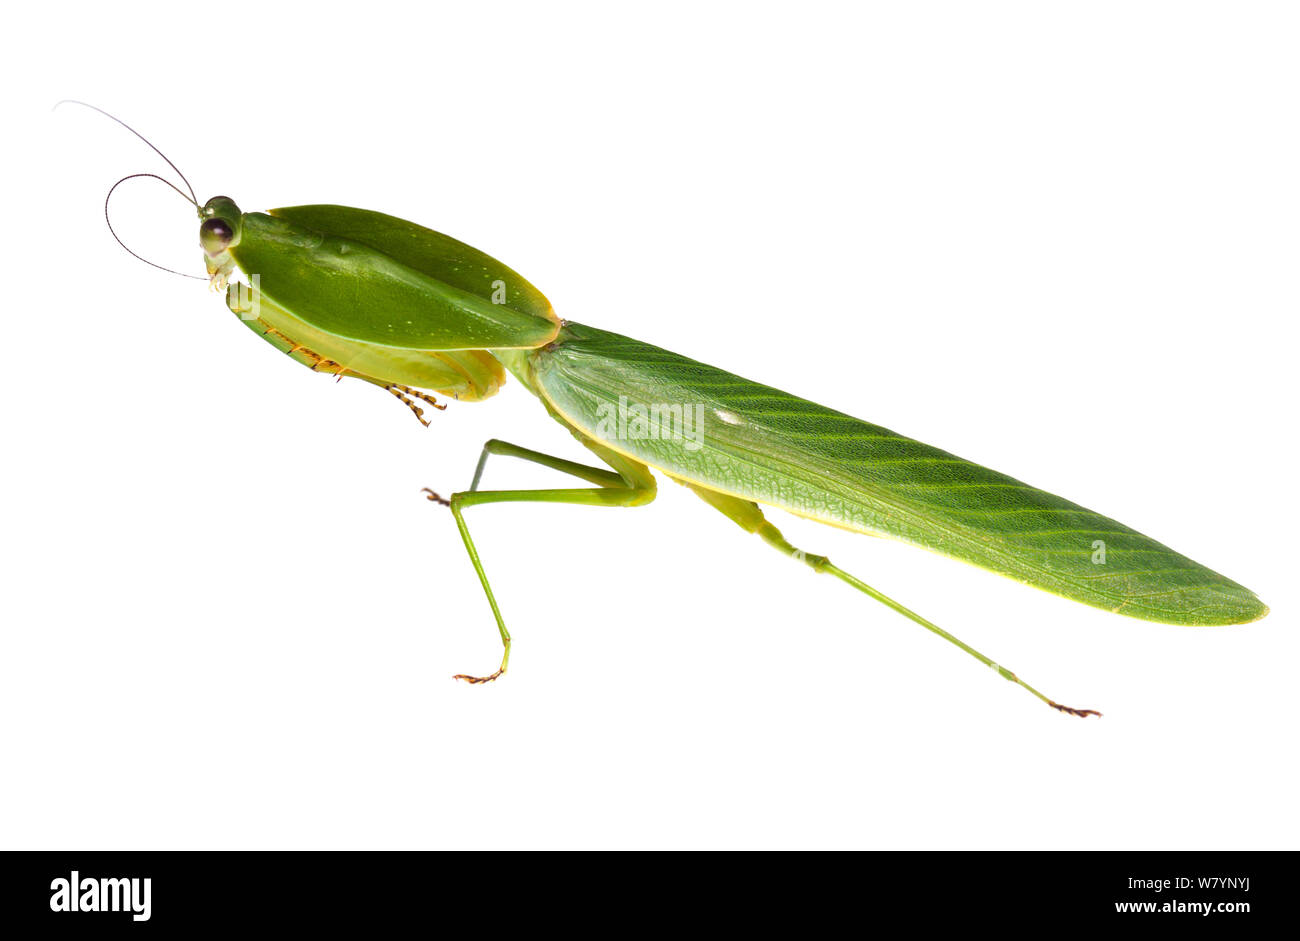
column 218, row 233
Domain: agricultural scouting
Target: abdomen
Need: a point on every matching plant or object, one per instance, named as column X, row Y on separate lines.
column 720, row 431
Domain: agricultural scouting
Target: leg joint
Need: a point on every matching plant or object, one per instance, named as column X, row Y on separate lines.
column 818, row 563
column 642, row 495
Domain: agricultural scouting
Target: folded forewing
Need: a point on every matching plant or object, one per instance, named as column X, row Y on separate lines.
column 727, row 433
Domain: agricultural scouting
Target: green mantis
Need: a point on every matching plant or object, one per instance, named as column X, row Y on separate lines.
column 364, row 295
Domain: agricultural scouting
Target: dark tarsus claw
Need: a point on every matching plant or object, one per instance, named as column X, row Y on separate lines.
column 477, row 679
column 1081, row 713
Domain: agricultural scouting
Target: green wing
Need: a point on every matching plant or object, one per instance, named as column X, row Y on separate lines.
column 766, row 445
column 374, row 278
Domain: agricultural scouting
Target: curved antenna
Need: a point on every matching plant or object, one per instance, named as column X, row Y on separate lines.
column 192, row 198
column 113, row 231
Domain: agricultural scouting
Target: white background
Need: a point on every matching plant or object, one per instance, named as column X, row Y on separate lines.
column 1060, row 240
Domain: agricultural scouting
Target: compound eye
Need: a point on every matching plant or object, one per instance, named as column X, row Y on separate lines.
column 215, row 236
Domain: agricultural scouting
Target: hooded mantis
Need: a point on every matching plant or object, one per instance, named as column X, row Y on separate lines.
column 364, row 295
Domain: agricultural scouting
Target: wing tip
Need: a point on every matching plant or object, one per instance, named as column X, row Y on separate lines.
column 1240, row 607
column 1261, row 612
